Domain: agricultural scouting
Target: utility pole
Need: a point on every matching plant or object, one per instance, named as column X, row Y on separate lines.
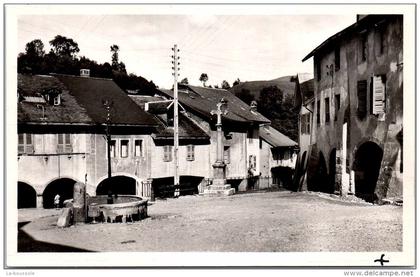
column 107, row 104
column 175, row 68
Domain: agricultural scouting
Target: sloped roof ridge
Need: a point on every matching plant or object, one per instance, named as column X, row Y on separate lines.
column 77, row 76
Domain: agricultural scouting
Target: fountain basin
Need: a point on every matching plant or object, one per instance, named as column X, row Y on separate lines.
column 125, row 208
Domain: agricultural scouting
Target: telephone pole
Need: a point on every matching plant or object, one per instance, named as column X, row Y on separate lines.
column 175, row 68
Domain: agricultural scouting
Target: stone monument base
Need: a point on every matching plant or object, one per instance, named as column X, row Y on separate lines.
column 219, row 188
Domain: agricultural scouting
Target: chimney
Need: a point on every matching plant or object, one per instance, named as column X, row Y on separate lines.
column 84, row 72
column 360, row 16
column 253, row 106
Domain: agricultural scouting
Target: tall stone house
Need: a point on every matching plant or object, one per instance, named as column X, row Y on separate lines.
column 352, row 128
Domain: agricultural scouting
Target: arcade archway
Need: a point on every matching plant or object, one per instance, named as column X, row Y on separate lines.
column 26, row 196
column 117, row 185
column 62, row 187
column 366, row 166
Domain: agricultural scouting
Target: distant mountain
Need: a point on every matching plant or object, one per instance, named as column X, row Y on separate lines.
column 255, row 87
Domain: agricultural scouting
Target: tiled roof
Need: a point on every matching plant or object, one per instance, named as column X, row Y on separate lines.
column 187, row 128
column 368, row 20
column 91, row 93
column 69, row 111
column 275, row 138
column 204, row 100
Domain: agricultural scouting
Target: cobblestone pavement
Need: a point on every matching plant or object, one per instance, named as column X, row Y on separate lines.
column 264, row 221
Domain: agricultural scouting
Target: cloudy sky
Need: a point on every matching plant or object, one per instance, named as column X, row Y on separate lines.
column 226, row 47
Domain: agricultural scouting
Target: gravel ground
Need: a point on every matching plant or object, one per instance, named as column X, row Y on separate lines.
column 264, row 222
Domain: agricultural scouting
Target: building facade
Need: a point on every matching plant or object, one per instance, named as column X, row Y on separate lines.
column 240, row 126
column 356, row 115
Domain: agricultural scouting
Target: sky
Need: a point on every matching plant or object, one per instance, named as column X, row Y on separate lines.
column 226, row 47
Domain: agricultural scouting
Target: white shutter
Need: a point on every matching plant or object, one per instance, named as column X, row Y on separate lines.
column 378, row 95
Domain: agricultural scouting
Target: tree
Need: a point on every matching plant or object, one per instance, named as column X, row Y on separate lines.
column 225, row 85
column 204, row 78
column 280, row 110
column 237, row 81
column 35, row 48
column 184, row 81
column 64, row 47
column 31, row 60
column 246, row 96
column 271, row 99
column 114, row 57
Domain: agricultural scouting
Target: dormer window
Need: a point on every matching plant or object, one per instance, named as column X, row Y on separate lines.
column 52, row 96
column 57, row 100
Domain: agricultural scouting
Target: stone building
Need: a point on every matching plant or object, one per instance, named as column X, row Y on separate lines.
column 241, row 127
column 355, row 119
column 61, row 140
column 278, row 154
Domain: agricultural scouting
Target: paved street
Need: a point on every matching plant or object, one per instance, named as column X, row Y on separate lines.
column 263, row 221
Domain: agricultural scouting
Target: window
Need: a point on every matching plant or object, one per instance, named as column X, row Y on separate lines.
column 318, row 69
column 64, row 143
column 337, row 58
column 226, row 154
column 57, row 100
column 327, row 109
column 361, row 98
column 138, row 148
column 308, row 123
column 25, row 144
column 378, row 94
column 112, row 146
column 303, row 123
column 380, row 39
column 363, row 47
column 252, row 161
column 124, row 148
column 190, row 152
column 167, row 153
column 337, row 105
column 318, row 112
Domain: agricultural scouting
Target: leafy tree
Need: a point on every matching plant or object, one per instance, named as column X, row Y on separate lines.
column 204, row 78
column 225, row 85
column 279, row 110
column 237, row 81
column 64, row 47
column 35, row 48
column 246, row 96
column 216, row 86
column 184, row 81
column 271, row 99
column 31, row 60
column 114, row 57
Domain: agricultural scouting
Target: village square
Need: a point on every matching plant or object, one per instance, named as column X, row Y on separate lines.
column 311, row 161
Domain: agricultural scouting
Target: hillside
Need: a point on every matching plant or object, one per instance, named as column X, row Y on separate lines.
column 255, row 87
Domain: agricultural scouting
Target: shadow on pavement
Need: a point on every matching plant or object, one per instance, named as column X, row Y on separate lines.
column 28, row 244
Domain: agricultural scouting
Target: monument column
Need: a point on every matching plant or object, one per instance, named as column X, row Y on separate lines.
column 219, row 186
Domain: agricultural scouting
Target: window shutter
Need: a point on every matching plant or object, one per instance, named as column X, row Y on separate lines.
column 29, row 149
column 378, row 95
column 21, row 148
column 60, row 148
column 303, row 123
column 361, row 97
